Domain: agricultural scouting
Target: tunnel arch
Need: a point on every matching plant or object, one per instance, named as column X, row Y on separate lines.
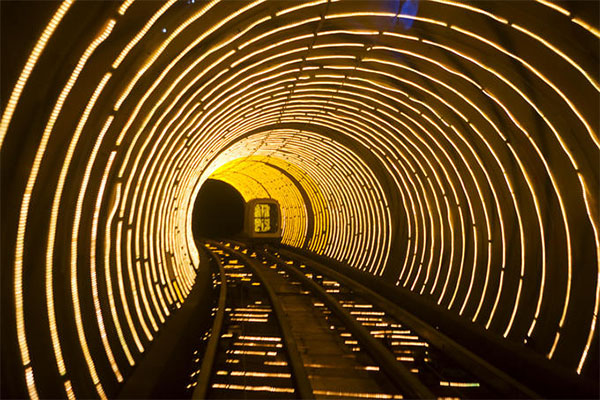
column 472, row 132
column 343, row 218
column 218, row 211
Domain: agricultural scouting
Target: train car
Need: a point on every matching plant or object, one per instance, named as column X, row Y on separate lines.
column 262, row 220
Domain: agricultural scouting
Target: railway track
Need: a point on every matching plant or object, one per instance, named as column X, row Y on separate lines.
column 288, row 327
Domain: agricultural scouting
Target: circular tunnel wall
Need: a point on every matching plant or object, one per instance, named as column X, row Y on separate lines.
column 331, row 201
column 449, row 147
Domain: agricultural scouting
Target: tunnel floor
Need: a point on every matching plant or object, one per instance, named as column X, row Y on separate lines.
column 285, row 326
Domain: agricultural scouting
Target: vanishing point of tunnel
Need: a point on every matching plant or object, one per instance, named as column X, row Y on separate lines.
column 300, row 199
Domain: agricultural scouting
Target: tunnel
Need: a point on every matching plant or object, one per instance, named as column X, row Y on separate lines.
column 444, row 154
column 218, row 211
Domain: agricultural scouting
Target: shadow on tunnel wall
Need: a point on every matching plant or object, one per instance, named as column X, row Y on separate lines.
column 218, row 211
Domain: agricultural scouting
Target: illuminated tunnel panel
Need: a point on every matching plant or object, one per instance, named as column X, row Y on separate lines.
column 349, row 214
column 449, row 147
column 258, row 180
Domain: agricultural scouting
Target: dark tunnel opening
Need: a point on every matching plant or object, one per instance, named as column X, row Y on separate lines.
column 218, row 211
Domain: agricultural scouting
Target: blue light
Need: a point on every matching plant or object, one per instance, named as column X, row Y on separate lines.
column 410, row 7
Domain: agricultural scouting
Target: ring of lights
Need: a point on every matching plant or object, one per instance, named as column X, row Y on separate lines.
column 471, row 180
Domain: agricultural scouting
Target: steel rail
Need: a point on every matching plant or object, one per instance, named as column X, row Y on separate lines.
column 484, row 371
column 208, row 360
column 303, row 386
column 399, row 375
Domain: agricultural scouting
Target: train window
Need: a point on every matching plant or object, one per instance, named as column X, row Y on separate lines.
column 265, row 218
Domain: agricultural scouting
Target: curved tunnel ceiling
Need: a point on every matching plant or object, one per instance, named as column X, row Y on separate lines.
column 449, row 147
